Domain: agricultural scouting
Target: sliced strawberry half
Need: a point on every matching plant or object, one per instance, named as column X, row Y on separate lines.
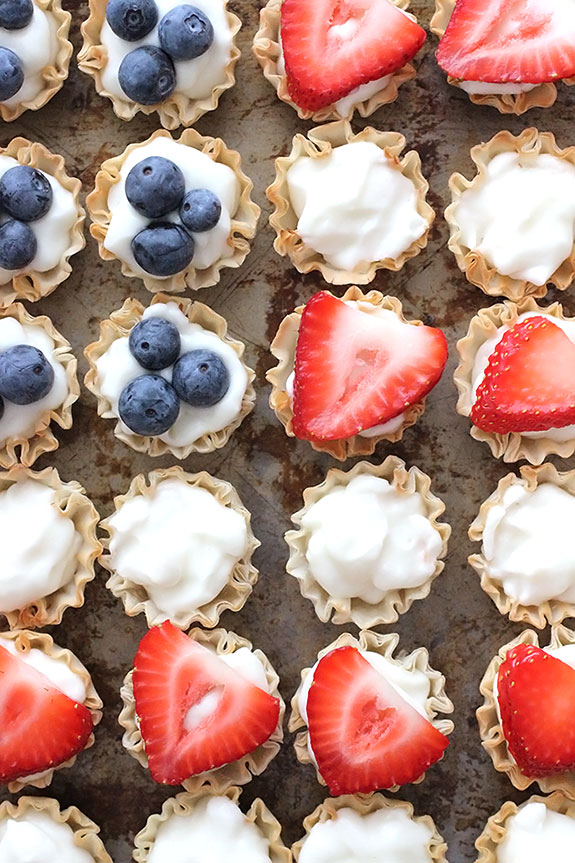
column 355, row 370
column 505, row 41
column 333, row 46
column 195, row 712
column 363, row 734
column 529, row 382
column 40, row 727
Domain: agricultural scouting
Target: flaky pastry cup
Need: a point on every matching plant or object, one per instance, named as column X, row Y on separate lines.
column 184, row 803
column 396, row 601
column 27, row 449
column 26, row 641
column 476, row 267
column 238, row 772
column 552, row 611
column 267, row 51
column 283, row 348
column 491, row 732
column 385, row 645
column 32, row 285
column 118, row 326
column 319, row 143
column 244, row 220
column 242, row 577
column 512, row 446
column 178, row 109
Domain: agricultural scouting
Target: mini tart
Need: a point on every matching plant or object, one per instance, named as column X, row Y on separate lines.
column 84, row 829
column 283, row 348
column 396, row 601
column 184, row 803
column 43, row 439
column 178, row 109
column 242, row 577
column 365, row 804
column 26, row 641
column 237, row 772
column 32, row 285
column 244, row 220
column 512, row 446
column 318, row 143
column 477, row 269
column 385, row 645
column 119, row 325
column 267, row 51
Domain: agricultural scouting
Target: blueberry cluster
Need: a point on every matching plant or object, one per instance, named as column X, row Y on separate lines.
column 26, row 376
column 14, row 15
column 25, row 196
column 150, row 404
column 156, row 188
column 147, row 74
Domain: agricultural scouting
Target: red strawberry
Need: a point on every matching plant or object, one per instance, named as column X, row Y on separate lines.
column 172, row 675
column 354, row 370
column 536, row 694
column 40, row 727
column 363, row 734
column 333, row 46
column 509, row 41
column 529, row 382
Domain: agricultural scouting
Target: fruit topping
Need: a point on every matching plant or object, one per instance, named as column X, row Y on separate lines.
column 11, row 74
column 16, row 14
column 163, row 249
column 200, row 210
column 155, row 343
column 185, row 32
column 18, row 245
column 25, row 193
column 201, row 378
column 147, row 75
column 132, row 19
column 155, row 186
column 26, row 376
column 148, row 405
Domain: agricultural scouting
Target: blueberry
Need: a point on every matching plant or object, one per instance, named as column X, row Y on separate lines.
column 147, row 75
column 201, row 378
column 18, row 245
column 149, row 405
column 26, row 376
column 200, row 210
column 163, row 249
column 185, row 32
column 131, row 20
column 155, row 187
column 155, row 343
column 25, row 193
column 1, row 407
column 16, row 14
column 11, row 74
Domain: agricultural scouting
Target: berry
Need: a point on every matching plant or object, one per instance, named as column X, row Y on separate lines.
column 185, row 32
column 18, row 245
column 147, row 75
column 163, row 249
column 11, row 74
column 155, row 187
column 131, row 20
column 26, row 376
column 148, row 405
column 25, row 193
column 1, row 407
column 201, row 378
column 200, row 210
column 16, row 14
column 155, row 343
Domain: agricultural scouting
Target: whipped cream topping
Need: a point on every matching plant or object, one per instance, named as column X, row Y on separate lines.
column 35, row 837
column 200, row 172
column 117, row 367
column 521, row 215
column 354, row 206
column 37, row 47
column 484, row 88
column 56, row 670
column 537, row 833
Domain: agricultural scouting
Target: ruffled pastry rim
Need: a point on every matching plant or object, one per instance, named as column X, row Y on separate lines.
column 283, row 349
column 472, row 263
column 118, row 326
column 319, row 142
column 552, row 611
column 491, row 732
column 178, row 109
column 483, row 326
column 396, row 601
column 366, row 804
column 266, row 50
column 237, row 772
column 243, row 575
column 384, row 644
column 73, row 502
column 43, row 439
column 33, row 285
column 243, row 223
column 25, row 641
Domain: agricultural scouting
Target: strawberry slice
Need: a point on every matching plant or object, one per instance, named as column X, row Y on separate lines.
column 333, row 46
column 529, row 382
column 354, row 370
column 40, row 727
column 363, row 734
column 509, row 41
column 536, row 694
column 195, row 712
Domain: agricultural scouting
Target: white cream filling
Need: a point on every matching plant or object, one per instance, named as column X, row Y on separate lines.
column 37, row 47
column 56, row 670
column 537, row 833
column 485, row 88
column 35, row 837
